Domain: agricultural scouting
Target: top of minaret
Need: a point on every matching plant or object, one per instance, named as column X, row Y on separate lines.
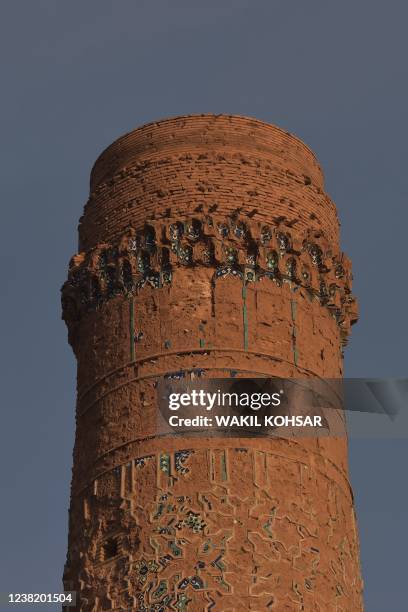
column 206, row 132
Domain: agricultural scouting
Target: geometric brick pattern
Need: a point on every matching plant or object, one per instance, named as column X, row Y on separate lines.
column 207, row 248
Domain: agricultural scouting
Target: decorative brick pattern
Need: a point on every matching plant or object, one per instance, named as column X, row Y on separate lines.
column 208, row 249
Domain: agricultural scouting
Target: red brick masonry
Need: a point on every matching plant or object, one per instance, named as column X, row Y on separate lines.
column 208, row 248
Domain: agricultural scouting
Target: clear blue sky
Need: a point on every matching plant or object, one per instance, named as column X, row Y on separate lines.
column 75, row 76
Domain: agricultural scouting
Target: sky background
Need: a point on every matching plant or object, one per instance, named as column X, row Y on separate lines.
column 78, row 74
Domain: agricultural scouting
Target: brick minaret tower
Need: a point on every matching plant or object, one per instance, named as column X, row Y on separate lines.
column 208, row 248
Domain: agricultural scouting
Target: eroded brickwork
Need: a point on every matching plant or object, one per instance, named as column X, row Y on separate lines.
column 208, row 248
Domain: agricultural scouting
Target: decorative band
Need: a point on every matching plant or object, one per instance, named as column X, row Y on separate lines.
column 229, row 247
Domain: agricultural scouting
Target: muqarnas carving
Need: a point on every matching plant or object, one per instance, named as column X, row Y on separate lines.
column 251, row 252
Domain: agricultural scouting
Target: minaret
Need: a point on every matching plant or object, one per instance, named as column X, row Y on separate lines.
column 207, row 248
